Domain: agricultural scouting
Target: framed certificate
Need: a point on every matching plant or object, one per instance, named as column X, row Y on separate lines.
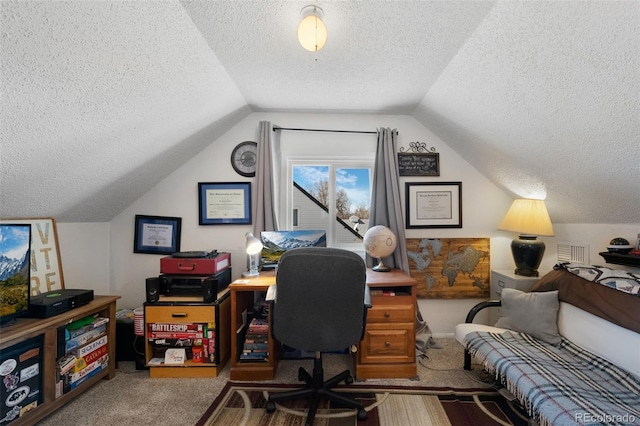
column 157, row 234
column 224, row 203
column 433, row 205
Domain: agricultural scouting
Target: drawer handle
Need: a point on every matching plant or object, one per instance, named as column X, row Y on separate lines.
column 387, row 314
column 179, row 315
column 387, row 344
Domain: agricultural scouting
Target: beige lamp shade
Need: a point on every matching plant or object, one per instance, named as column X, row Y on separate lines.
column 312, row 33
column 527, row 217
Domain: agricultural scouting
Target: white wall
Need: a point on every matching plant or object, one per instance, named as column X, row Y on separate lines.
column 100, row 256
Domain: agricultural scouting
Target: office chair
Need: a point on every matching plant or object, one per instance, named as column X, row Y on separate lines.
column 320, row 305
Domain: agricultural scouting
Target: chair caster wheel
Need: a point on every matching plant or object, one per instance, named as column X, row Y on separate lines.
column 362, row 414
column 271, row 407
column 348, row 380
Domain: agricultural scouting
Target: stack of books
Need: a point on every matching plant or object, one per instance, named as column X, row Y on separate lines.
column 85, row 353
column 256, row 342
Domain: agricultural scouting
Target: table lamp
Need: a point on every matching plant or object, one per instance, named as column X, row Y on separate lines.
column 253, row 248
column 529, row 218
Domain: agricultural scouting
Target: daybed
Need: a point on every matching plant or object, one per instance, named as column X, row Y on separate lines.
column 570, row 350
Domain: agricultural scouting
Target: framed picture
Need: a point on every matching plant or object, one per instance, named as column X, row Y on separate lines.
column 157, row 234
column 224, row 203
column 433, row 205
column 46, row 266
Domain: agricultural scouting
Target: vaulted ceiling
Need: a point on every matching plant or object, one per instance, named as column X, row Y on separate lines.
column 102, row 99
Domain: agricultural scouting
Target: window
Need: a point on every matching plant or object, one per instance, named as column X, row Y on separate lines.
column 327, row 178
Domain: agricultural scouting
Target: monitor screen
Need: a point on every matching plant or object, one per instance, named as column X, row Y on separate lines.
column 275, row 243
column 15, row 269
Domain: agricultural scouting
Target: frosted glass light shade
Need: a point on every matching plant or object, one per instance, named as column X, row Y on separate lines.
column 312, row 33
column 527, row 217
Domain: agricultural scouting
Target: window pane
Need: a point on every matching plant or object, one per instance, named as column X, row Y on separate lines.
column 353, row 194
column 346, row 191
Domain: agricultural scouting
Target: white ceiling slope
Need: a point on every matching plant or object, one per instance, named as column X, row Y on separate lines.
column 101, row 100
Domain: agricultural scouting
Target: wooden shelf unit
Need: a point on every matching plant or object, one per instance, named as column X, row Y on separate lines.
column 27, row 328
column 242, row 300
column 621, row 259
column 190, row 310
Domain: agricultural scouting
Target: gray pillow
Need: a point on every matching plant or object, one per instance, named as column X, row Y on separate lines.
column 535, row 314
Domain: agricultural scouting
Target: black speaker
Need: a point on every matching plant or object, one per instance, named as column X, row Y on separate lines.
column 209, row 291
column 153, row 289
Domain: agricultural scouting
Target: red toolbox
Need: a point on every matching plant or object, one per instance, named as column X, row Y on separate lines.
column 195, row 263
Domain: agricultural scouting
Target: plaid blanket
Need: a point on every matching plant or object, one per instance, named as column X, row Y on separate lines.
column 559, row 384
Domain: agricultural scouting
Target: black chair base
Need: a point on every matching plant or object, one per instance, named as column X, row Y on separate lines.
column 316, row 390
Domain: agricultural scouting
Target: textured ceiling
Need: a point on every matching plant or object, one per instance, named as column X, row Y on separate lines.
column 108, row 98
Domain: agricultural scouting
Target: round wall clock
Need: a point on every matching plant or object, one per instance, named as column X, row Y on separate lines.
column 244, row 158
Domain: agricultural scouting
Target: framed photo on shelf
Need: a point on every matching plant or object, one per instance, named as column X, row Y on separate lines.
column 157, row 234
column 224, row 203
column 433, row 204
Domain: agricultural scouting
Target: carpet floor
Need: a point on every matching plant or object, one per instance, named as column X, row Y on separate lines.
column 244, row 404
column 133, row 398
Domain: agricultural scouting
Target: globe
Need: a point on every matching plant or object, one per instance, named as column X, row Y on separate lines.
column 380, row 242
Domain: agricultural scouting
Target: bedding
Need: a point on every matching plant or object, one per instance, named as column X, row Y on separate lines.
column 613, row 278
column 612, row 305
column 558, row 384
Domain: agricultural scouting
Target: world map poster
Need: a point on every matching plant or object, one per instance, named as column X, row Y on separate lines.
column 450, row 268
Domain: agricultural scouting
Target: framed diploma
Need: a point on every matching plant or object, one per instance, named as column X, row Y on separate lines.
column 157, row 234
column 433, row 205
column 225, row 203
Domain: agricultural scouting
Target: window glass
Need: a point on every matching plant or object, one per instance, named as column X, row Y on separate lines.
column 342, row 189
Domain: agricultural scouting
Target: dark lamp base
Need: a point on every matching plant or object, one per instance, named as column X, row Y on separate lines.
column 527, row 254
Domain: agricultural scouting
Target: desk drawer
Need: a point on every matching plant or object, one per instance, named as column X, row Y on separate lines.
column 180, row 314
column 385, row 313
column 387, row 343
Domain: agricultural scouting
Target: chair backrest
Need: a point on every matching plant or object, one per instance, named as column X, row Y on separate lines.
column 319, row 304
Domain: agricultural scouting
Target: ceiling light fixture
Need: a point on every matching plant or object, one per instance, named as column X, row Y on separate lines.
column 312, row 33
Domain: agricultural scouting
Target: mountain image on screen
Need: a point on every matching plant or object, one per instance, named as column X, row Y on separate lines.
column 15, row 269
column 277, row 242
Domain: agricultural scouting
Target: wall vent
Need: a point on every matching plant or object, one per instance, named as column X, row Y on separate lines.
column 573, row 252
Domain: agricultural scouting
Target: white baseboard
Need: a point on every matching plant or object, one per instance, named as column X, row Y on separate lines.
column 442, row 335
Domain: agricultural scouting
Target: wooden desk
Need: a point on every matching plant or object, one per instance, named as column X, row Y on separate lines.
column 387, row 350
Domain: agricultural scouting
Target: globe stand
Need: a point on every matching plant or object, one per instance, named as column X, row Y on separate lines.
column 381, row 267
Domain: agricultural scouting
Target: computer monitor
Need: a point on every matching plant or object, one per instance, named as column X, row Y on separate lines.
column 15, row 271
column 275, row 243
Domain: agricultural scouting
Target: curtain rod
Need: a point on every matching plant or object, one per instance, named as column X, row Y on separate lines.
column 324, row 130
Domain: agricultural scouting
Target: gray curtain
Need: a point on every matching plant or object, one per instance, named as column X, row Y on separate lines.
column 263, row 195
column 386, row 208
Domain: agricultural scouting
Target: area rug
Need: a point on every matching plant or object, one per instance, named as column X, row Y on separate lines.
column 244, row 404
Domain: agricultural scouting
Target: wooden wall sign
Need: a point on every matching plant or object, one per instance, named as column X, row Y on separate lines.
column 450, row 268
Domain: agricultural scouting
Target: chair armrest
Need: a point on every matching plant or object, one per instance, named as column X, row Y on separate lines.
column 367, row 297
column 480, row 306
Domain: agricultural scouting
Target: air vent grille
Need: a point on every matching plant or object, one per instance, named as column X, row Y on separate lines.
column 573, row 252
